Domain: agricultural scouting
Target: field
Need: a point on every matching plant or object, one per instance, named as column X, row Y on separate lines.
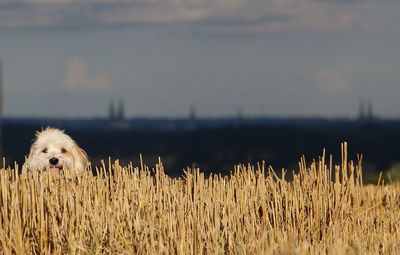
column 320, row 209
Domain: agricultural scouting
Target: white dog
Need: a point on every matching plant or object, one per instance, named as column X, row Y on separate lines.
column 53, row 150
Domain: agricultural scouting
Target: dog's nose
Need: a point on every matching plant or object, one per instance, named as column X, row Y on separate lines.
column 53, row 161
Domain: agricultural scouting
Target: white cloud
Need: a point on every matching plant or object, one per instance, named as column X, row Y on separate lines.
column 331, row 81
column 78, row 77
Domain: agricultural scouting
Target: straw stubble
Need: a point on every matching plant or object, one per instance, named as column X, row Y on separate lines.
column 320, row 209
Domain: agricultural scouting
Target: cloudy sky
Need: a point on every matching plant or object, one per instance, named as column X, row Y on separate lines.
column 69, row 58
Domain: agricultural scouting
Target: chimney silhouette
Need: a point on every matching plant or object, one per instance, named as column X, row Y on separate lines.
column 121, row 110
column 1, row 108
column 370, row 113
column 111, row 110
column 192, row 113
column 361, row 113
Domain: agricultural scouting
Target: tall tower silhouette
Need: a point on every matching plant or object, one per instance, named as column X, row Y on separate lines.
column 1, row 107
column 111, row 110
column 370, row 113
column 361, row 111
column 192, row 113
column 121, row 110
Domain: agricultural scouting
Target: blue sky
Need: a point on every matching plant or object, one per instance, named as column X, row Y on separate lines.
column 266, row 57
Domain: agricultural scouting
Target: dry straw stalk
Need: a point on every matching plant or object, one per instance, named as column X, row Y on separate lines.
column 320, row 209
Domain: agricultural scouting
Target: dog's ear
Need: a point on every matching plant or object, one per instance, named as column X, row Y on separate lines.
column 29, row 160
column 32, row 150
column 83, row 154
column 81, row 159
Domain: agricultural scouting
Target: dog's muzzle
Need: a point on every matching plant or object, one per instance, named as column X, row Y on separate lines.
column 53, row 165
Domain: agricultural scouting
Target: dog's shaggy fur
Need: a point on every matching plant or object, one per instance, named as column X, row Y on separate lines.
column 54, row 151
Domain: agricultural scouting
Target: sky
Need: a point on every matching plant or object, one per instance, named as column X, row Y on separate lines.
column 287, row 58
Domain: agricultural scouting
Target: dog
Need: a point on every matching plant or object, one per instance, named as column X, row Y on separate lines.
column 55, row 151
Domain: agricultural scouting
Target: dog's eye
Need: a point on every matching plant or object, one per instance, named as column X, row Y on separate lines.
column 63, row 150
column 44, row 150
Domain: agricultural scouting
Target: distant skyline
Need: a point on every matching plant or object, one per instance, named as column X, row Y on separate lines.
column 162, row 57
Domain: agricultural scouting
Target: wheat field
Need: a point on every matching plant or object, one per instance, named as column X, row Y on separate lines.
column 320, row 209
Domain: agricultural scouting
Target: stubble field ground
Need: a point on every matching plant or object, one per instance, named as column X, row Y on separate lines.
column 322, row 208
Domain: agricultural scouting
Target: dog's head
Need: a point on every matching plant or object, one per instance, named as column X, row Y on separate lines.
column 53, row 150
